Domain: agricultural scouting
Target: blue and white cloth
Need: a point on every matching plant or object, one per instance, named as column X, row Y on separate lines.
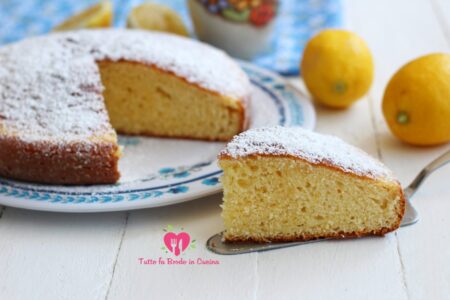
column 298, row 20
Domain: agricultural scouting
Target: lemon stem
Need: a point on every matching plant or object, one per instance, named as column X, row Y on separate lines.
column 402, row 117
column 340, row 87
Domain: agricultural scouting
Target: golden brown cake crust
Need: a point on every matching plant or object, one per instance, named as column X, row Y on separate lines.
column 75, row 163
column 343, row 235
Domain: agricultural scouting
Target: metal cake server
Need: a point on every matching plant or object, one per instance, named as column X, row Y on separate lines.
column 218, row 246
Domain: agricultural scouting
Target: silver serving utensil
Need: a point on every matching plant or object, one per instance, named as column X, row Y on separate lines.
column 217, row 245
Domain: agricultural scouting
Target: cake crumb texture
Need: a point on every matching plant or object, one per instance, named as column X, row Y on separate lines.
column 276, row 188
column 146, row 101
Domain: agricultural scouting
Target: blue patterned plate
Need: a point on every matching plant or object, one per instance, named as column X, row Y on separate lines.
column 159, row 172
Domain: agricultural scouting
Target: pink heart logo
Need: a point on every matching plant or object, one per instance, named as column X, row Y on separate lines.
column 177, row 243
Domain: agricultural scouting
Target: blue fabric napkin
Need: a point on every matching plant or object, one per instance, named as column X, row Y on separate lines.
column 298, row 20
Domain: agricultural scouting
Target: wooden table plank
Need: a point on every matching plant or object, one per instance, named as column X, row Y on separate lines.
column 442, row 11
column 57, row 256
column 409, row 29
column 233, row 278
column 353, row 269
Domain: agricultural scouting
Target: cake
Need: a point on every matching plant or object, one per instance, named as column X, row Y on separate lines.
column 64, row 96
column 291, row 184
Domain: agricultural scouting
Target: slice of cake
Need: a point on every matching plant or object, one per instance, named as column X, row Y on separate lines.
column 287, row 184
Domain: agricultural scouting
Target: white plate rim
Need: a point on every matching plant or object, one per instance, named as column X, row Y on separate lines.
column 18, row 194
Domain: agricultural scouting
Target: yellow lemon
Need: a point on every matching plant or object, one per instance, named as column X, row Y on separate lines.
column 98, row 15
column 157, row 17
column 416, row 102
column 337, row 67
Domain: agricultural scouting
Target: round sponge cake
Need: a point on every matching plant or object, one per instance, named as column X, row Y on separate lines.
column 63, row 97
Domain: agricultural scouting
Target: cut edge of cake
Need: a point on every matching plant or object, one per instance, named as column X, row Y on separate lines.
column 237, row 106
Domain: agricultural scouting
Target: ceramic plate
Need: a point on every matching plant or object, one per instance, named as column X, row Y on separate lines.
column 158, row 172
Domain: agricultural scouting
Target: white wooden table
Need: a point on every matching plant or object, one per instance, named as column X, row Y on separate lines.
column 95, row 256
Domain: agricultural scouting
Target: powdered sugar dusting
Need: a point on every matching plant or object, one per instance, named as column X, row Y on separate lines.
column 50, row 87
column 313, row 147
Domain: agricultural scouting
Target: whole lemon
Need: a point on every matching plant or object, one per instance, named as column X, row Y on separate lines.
column 416, row 102
column 157, row 17
column 337, row 67
column 95, row 16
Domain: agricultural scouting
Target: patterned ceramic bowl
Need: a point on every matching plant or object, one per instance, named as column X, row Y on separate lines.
column 243, row 28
